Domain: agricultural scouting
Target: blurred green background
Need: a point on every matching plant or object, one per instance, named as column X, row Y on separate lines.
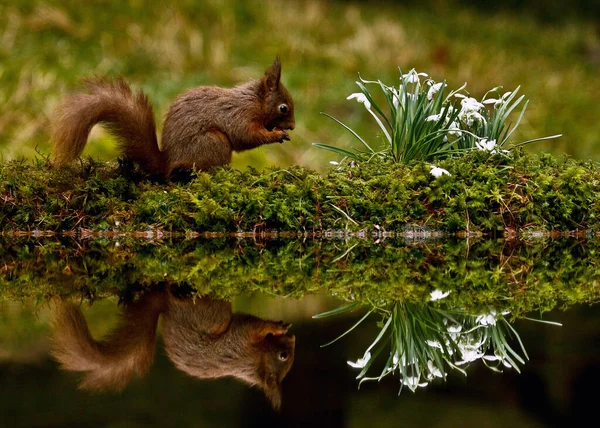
column 46, row 47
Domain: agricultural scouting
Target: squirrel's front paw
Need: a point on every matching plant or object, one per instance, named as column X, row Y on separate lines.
column 281, row 134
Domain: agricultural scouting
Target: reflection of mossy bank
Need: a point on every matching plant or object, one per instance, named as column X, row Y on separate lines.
column 507, row 275
column 485, row 193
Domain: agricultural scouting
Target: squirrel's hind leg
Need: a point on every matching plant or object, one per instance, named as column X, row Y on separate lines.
column 202, row 153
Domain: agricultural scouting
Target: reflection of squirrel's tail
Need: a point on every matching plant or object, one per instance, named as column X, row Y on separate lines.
column 127, row 116
column 108, row 364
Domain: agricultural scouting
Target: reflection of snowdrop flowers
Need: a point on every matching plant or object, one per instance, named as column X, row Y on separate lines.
column 413, row 382
column 438, row 294
column 454, row 328
column 496, row 357
column 433, row 370
column 438, row 172
column 361, row 98
column 361, row 362
column 469, row 355
column 489, row 318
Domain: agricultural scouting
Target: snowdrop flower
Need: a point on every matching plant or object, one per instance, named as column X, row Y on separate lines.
column 334, row 163
column 361, row 98
column 361, row 362
column 470, row 104
column 471, row 117
column 413, row 77
column 486, row 145
column 438, row 294
column 438, row 172
column 454, row 129
column 454, row 328
column 433, row 117
column 497, row 101
column 434, row 90
column 434, row 344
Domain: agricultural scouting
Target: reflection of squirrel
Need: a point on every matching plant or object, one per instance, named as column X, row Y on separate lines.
column 202, row 128
column 202, row 338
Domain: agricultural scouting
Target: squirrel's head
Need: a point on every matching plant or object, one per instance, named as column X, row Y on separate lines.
column 276, row 361
column 278, row 104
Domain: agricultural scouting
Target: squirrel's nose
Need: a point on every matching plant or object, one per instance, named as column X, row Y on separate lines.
column 292, row 126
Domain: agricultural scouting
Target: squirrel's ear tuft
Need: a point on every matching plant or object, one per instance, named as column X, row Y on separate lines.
column 273, row 75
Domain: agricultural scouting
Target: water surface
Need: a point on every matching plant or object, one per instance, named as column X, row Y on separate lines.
column 489, row 283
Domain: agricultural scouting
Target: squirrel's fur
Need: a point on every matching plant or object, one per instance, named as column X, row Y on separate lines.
column 202, row 127
column 202, row 337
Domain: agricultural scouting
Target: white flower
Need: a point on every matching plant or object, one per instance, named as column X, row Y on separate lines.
column 395, row 98
column 454, row 129
column 471, row 117
column 433, row 117
column 413, row 382
column 438, row 172
column 438, row 294
column 434, row 344
column 469, row 355
column 433, row 370
column 361, row 362
column 334, row 163
column 434, row 90
column 454, row 328
column 492, row 357
column 497, row 101
column 470, row 104
column 361, row 98
column 413, row 77
column 486, row 145
column 486, row 319
column 495, row 357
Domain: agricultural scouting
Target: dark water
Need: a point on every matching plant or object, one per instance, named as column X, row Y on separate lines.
column 53, row 289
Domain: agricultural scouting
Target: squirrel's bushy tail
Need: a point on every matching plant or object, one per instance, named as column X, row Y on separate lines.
column 107, row 364
column 128, row 116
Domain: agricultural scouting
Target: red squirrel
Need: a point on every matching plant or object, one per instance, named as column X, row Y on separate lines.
column 202, row 127
column 202, row 337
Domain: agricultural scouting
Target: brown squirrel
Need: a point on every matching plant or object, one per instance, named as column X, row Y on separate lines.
column 202, row 337
column 202, row 128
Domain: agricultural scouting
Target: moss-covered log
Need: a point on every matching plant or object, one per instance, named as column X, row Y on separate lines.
column 483, row 193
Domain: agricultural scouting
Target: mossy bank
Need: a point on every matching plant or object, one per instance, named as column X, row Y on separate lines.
column 486, row 193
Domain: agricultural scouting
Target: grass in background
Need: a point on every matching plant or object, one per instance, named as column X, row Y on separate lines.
column 47, row 47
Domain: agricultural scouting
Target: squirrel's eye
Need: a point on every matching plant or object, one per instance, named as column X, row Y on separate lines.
column 283, row 108
column 283, row 356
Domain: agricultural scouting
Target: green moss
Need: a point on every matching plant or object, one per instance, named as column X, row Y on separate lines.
column 484, row 193
column 521, row 276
